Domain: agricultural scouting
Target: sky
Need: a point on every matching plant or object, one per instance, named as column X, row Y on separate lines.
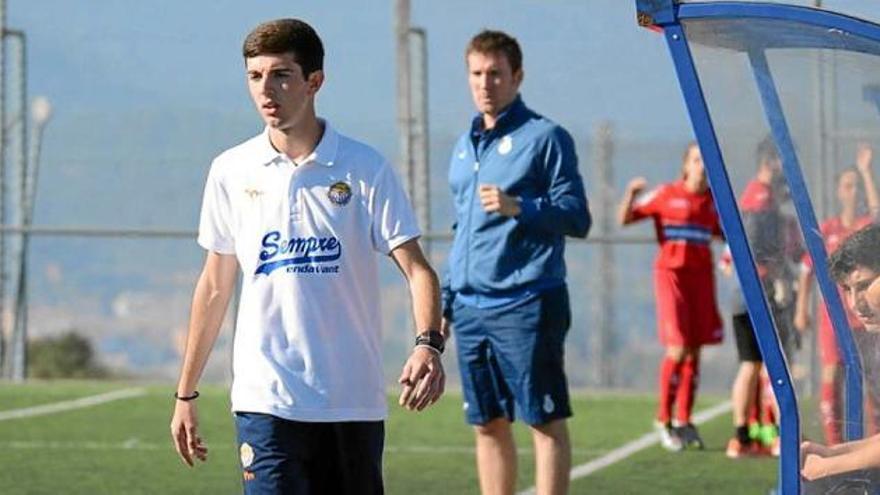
column 145, row 94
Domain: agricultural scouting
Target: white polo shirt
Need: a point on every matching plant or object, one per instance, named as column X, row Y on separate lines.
column 308, row 333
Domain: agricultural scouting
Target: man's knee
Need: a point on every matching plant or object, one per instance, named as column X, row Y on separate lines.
column 676, row 353
column 553, row 431
column 495, row 428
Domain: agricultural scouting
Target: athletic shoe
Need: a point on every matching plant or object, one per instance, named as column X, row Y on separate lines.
column 768, row 435
column 754, row 430
column 690, row 437
column 736, row 449
column 669, row 439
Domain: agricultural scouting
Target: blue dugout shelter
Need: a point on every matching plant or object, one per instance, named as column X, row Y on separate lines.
column 749, row 70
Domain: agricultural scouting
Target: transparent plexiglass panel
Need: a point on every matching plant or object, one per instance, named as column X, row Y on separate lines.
column 828, row 84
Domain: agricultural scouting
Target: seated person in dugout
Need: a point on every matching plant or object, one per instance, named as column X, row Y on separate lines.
column 856, row 267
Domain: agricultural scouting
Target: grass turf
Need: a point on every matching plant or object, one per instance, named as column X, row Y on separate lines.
column 123, row 447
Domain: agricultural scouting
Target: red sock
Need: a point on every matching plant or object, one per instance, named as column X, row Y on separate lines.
column 670, row 371
column 687, row 388
column 829, row 408
column 768, row 400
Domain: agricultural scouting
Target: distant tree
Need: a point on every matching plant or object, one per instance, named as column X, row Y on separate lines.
column 66, row 356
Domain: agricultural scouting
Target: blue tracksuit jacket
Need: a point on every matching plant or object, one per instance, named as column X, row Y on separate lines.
column 529, row 157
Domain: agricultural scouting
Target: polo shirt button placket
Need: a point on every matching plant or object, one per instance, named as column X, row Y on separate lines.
column 294, row 194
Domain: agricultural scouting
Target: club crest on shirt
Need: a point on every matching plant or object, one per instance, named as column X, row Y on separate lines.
column 247, row 455
column 339, row 193
column 505, row 145
column 253, row 193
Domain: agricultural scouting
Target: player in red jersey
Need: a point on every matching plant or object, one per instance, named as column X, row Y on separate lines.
column 850, row 218
column 687, row 313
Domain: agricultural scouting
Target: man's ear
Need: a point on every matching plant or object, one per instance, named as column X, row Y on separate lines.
column 315, row 81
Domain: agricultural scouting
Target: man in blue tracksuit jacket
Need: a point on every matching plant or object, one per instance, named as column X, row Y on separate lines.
column 517, row 193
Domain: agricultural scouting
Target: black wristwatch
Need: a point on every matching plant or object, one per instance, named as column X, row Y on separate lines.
column 432, row 339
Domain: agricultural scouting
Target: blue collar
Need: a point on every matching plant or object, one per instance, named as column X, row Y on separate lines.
column 505, row 118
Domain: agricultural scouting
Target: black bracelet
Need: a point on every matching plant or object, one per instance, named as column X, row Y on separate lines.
column 187, row 398
column 432, row 339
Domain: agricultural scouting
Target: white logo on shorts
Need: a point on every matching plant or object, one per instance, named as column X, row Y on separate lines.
column 505, row 145
column 549, row 406
column 465, row 406
column 247, row 455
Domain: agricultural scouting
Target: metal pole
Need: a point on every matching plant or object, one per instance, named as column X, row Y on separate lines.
column 420, row 142
column 3, row 182
column 404, row 83
column 821, row 154
column 603, row 305
column 18, row 341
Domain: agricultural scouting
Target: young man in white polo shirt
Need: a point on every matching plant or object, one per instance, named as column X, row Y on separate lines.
column 302, row 210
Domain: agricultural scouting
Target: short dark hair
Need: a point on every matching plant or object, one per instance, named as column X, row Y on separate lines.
column 862, row 249
column 488, row 41
column 766, row 150
column 287, row 36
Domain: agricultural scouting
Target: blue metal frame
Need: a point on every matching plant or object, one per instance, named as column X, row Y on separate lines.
column 813, row 238
column 725, row 202
column 668, row 14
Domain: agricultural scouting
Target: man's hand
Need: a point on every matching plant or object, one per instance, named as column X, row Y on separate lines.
column 808, row 447
column 864, row 157
column 815, row 467
column 636, row 186
column 494, row 200
column 184, row 433
column 423, row 379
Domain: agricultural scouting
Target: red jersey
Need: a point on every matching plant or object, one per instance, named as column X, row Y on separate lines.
column 834, row 233
column 685, row 223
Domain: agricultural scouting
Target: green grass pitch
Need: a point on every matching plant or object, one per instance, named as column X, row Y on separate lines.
column 123, row 447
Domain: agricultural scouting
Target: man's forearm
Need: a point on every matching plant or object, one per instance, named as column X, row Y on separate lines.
column 210, row 301
column 860, row 455
column 425, row 292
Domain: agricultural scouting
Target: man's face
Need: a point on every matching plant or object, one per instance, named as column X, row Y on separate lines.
column 862, row 289
column 280, row 92
column 493, row 83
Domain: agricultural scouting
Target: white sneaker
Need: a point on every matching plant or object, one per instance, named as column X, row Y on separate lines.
column 669, row 439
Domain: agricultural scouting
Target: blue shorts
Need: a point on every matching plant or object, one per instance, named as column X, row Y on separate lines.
column 511, row 358
column 281, row 457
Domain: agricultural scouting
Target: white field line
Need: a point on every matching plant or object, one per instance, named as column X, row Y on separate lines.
column 68, row 405
column 635, row 446
column 136, row 444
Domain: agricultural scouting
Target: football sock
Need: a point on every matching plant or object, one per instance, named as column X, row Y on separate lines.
column 687, row 388
column 670, row 371
column 742, row 434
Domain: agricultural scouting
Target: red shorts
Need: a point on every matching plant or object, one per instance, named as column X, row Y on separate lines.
column 687, row 313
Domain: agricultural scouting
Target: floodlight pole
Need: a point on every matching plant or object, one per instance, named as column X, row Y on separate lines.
column 419, row 142
column 3, row 346
column 18, row 340
column 404, row 91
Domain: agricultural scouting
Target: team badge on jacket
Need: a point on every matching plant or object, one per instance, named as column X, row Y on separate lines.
column 339, row 193
column 505, row 145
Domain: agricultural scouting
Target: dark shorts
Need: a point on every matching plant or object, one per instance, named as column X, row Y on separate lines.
column 280, row 456
column 511, row 358
column 746, row 343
